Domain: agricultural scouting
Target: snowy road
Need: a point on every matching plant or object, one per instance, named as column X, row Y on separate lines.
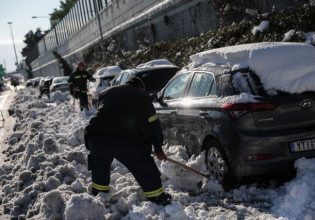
column 6, row 126
column 3, row 98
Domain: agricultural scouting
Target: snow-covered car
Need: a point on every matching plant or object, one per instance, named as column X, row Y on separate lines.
column 250, row 107
column 37, row 81
column 60, row 83
column 108, row 69
column 103, row 77
column 45, row 82
column 155, row 74
column 29, row 83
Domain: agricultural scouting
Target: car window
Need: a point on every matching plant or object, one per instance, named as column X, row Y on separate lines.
column 203, row 84
column 41, row 82
column 61, row 80
column 124, row 78
column 117, row 80
column 176, row 88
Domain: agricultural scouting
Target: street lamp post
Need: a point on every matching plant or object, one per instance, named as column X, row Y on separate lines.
column 17, row 61
column 98, row 18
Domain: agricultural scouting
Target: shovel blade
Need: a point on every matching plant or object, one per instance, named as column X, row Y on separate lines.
column 204, row 182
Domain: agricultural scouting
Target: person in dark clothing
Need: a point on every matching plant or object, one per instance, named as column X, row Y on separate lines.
column 44, row 89
column 15, row 83
column 125, row 127
column 78, row 85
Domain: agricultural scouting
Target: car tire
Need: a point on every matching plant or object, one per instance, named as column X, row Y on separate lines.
column 218, row 165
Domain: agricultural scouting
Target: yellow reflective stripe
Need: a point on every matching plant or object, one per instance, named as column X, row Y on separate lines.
column 70, row 83
column 83, row 91
column 153, row 118
column 77, row 77
column 100, row 187
column 154, row 193
column 84, row 76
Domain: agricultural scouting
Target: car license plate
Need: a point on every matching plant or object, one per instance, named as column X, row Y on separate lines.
column 303, row 145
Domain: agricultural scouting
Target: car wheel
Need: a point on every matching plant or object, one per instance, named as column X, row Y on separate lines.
column 218, row 165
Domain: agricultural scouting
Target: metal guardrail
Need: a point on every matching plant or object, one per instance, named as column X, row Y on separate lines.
column 80, row 14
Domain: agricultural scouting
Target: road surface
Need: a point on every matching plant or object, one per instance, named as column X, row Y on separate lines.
column 6, row 129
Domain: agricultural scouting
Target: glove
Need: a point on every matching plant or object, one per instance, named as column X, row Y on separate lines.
column 161, row 155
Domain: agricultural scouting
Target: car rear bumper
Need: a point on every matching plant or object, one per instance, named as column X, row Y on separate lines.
column 276, row 144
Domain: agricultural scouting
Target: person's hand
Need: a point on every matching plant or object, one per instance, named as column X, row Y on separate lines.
column 161, row 156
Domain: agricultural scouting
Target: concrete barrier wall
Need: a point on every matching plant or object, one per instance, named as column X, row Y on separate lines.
column 134, row 22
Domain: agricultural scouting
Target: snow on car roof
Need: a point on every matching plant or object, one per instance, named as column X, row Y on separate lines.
column 282, row 66
column 108, row 71
column 156, row 63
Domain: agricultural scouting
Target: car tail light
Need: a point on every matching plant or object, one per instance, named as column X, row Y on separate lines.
column 259, row 157
column 238, row 109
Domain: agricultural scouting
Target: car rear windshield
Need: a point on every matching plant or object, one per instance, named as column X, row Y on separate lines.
column 155, row 80
column 248, row 82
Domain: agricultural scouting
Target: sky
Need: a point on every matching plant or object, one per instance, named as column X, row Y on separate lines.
column 20, row 13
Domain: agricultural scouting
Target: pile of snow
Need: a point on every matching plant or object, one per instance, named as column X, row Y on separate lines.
column 156, row 63
column 287, row 67
column 261, row 27
column 298, row 199
column 289, row 35
column 45, row 176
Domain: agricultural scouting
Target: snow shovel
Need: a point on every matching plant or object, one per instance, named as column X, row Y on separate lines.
column 206, row 176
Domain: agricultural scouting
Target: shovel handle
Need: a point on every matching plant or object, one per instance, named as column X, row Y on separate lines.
column 185, row 167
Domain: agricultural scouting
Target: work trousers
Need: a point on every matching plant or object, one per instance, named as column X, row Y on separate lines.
column 83, row 99
column 42, row 92
column 103, row 150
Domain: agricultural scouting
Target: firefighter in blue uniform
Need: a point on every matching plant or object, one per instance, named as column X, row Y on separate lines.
column 125, row 127
column 78, row 84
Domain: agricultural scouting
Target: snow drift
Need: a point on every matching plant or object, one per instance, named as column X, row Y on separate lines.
column 45, row 176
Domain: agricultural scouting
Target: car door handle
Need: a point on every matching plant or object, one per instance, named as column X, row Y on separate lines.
column 173, row 111
column 203, row 113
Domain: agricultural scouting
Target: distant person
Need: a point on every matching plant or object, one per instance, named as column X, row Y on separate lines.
column 1, row 85
column 44, row 89
column 125, row 127
column 15, row 83
column 78, row 85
